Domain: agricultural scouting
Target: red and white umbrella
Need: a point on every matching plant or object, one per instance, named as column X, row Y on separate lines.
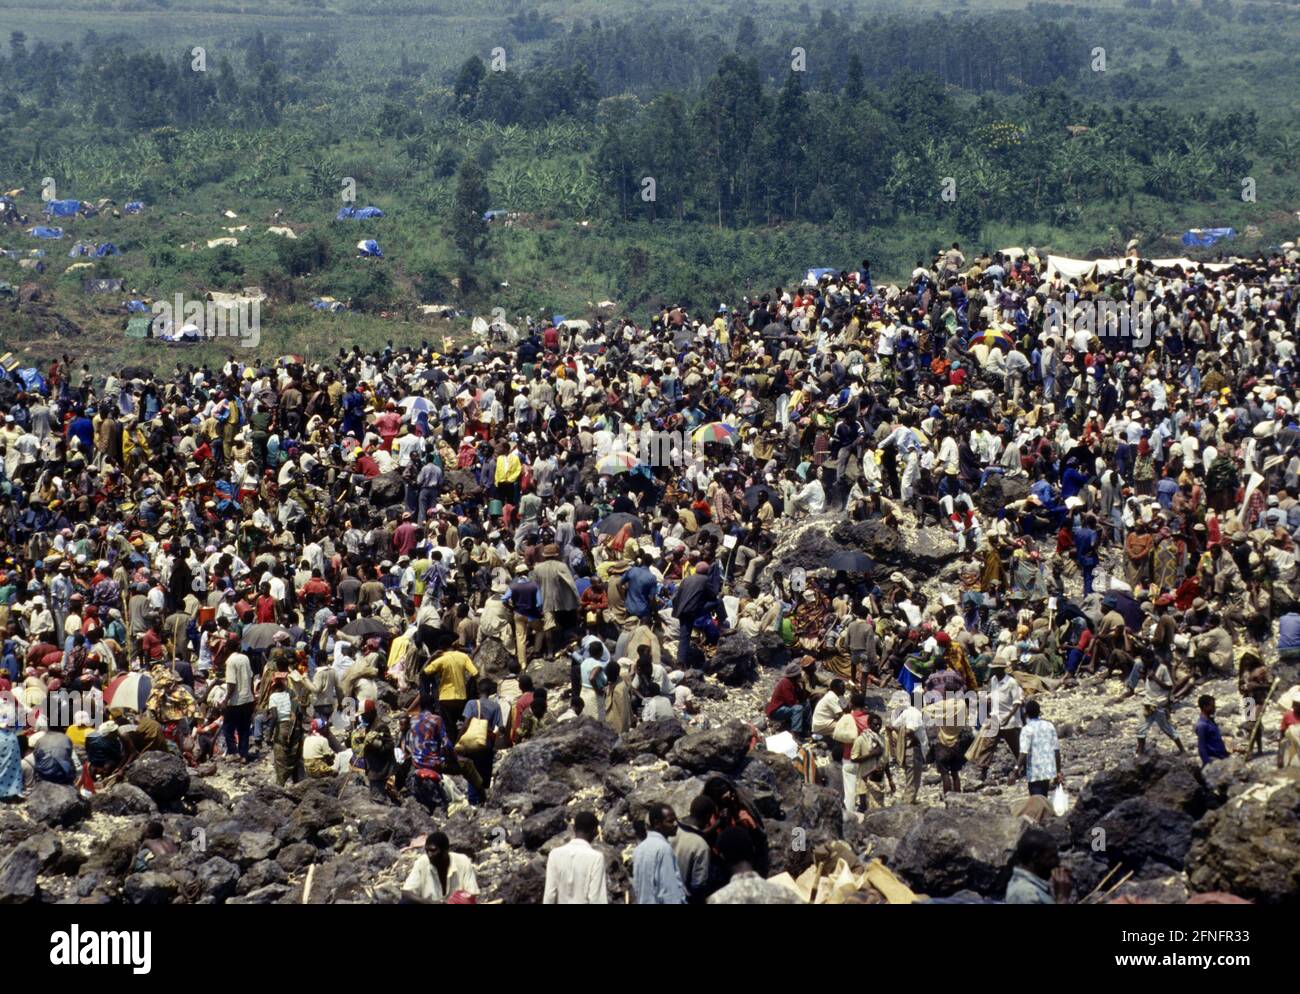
column 128, row 692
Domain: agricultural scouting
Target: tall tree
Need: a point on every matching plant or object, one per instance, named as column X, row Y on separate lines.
column 469, row 227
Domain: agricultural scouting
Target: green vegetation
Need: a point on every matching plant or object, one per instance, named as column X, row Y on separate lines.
column 559, row 112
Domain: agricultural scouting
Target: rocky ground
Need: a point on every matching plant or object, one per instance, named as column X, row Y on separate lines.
column 1155, row 825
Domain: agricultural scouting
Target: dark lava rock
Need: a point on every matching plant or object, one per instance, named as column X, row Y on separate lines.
column 296, row 856
column 160, row 775
column 1140, row 830
column 123, row 799
column 735, row 661
column 1251, row 845
column 18, row 873
column 150, row 888
column 218, row 878
column 1162, row 779
column 655, row 737
column 719, row 750
column 260, row 875
column 495, row 661
column 56, row 804
column 576, row 753
column 544, row 825
column 947, row 851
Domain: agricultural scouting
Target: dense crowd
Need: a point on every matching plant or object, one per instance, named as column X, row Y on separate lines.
column 357, row 566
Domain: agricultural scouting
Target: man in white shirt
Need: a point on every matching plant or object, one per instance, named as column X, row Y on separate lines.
column 575, row 872
column 439, row 874
column 828, row 709
column 911, row 742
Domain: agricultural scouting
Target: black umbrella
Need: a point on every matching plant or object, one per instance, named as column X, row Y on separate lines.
column 612, row 523
column 774, row 497
column 262, row 636
column 366, row 626
column 852, row 561
column 775, row 330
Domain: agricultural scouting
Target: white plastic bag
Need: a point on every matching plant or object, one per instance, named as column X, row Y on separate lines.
column 1060, row 801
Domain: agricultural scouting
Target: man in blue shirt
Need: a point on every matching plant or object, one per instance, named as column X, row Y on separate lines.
column 639, row 588
column 1288, row 637
column 1209, row 740
column 1085, row 550
column 655, row 876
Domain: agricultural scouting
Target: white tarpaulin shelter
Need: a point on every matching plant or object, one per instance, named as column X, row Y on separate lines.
column 1076, row 269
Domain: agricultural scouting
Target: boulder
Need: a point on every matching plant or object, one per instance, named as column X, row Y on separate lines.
column 254, row 847
column 218, row 878
column 735, row 661
column 296, row 856
column 544, row 825
column 387, row 489
column 655, row 737
column 270, row 894
column 160, row 775
column 495, row 660
column 1250, row 846
column 56, row 804
column 18, row 873
column 1141, row 830
column 150, row 888
column 576, row 753
column 947, row 851
column 715, row 750
column 123, row 799
column 999, row 491
column 261, row 875
column 676, row 794
column 1163, row 779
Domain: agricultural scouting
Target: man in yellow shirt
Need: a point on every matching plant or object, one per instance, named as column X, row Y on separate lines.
column 509, row 469
column 451, row 670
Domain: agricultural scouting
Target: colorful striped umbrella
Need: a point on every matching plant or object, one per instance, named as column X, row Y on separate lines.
column 128, row 692
column 991, row 336
column 714, row 431
column 615, row 463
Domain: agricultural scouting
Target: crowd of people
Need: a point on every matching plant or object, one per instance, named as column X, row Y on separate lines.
column 235, row 562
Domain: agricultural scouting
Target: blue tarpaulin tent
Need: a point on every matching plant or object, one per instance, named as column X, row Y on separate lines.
column 80, row 249
column 327, row 304
column 31, row 380
column 137, row 307
column 1205, row 237
column 134, row 207
column 815, row 274
column 493, row 214
column 357, row 213
column 61, row 208
column 40, row 231
column 108, row 248
column 369, row 247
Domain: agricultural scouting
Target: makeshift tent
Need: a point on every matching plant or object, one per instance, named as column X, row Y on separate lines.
column 281, row 230
column 576, row 324
column 815, row 274
column 370, row 248
column 103, row 286
column 138, row 328
column 61, row 208
column 134, row 207
column 81, row 249
column 108, row 248
column 40, row 231
column 31, row 380
column 493, row 214
column 215, row 242
column 137, row 307
column 328, row 304
column 1205, row 237
column 357, row 213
